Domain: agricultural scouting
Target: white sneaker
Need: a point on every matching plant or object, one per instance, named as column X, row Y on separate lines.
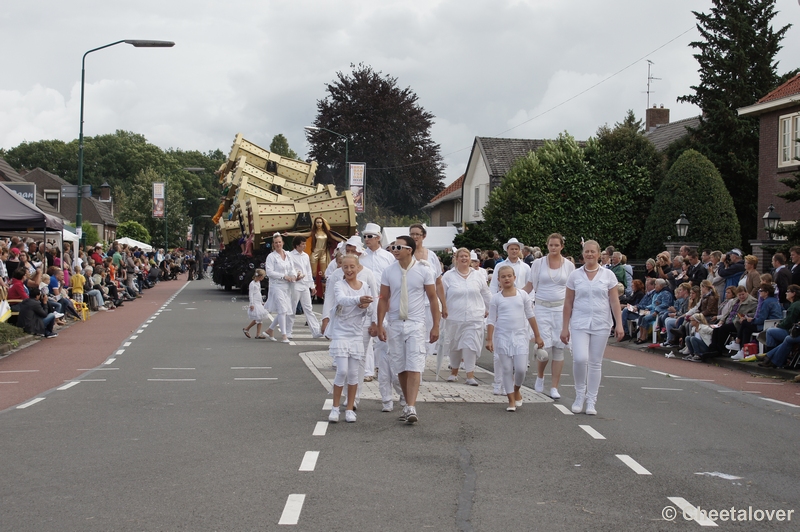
column 739, row 355
column 733, row 346
column 538, row 385
column 388, row 406
column 334, row 415
column 577, row 406
column 452, row 378
column 58, row 314
column 350, row 416
column 590, row 410
column 471, row 382
column 554, row 393
column 411, row 418
column 684, row 351
column 102, row 308
column 404, row 415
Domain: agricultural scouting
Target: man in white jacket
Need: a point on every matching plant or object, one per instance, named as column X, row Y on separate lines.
column 303, row 289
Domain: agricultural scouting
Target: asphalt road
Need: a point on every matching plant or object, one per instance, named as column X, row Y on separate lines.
column 194, row 427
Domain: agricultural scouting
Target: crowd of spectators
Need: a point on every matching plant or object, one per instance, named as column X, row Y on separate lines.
column 46, row 285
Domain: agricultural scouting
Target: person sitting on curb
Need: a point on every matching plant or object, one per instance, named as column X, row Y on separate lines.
column 33, row 316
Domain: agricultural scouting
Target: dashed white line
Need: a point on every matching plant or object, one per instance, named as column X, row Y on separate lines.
column 134, row 337
column 663, row 389
column 140, row 331
column 119, row 351
column 687, row 508
column 694, row 380
column 591, row 432
column 563, row 409
column 328, row 404
column 620, row 377
column 171, row 380
column 309, row 461
column 255, row 378
column 736, row 391
column 20, row 371
column 145, row 325
column 660, row 373
column 9, row 382
column 622, row 363
column 320, row 428
column 127, row 344
column 291, row 512
column 68, row 385
column 109, row 361
column 31, row 403
column 767, row 383
column 251, row 367
column 633, row 464
column 176, row 368
column 779, row 402
column 97, row 369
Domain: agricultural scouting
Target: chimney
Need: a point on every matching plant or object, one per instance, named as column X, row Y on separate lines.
column 105, row 192
column 656, row 116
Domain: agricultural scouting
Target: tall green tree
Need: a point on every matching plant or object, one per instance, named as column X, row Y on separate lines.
column 736, row 54
column 280, row 145
column 694, row 187
column 134, row 230
column 387, row 129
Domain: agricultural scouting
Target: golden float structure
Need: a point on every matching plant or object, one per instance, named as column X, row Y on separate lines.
column 265, row 193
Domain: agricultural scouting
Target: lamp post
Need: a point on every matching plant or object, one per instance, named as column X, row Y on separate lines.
column 771, row 221
column 682, row 226
column 138, row 43
column 190, row 202
column 346, row 172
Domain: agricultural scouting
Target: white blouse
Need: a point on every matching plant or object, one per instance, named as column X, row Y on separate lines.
column 467, row 298
column 591, row 308
column 550, row 284
column 347, row 321
column 511, row 314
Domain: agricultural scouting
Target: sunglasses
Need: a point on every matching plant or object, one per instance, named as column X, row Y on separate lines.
column 366, row 237
column 398, row 248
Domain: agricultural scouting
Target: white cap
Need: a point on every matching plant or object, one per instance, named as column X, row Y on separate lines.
column 512, row 241
column 355, row 241
column 372, row 229
column 473, row 255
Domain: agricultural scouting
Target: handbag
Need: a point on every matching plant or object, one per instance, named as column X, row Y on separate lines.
column 795, row 331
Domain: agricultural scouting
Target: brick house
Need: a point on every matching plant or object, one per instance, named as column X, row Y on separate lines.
column 9, row 175
column 778, row 148
column 445, row 207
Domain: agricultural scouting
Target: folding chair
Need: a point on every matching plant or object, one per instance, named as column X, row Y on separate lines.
column 82, row 308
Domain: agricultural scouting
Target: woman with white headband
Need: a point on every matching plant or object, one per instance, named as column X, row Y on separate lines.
column 282, row 273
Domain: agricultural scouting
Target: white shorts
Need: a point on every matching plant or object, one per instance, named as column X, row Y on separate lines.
column 347, row 348
column 550, row 320
column 407, row 346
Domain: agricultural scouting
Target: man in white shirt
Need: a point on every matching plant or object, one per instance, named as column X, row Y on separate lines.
column 303, row 289
column 377, row 259
column 405, row 286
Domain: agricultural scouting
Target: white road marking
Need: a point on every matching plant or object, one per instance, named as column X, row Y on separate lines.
column 291, row 512
column 309, row 461
column 321, row 342
column 31, row 403
column 127, row 344
column 779, row 402
column 591, row 432
column 633, row 464
column 167, row 310
column 109, row 361
column 328, row 404
column 772, row 383
column 190, row 308
column 93, row 380
column 622, row 363
column 320, row 428
column 695, row 380
column 251, row 367
column 9, row 382
column 20, row 371
column 661, row 373
column 97, row 369
column 145, row 325
column 563, row 409
column 68, row 385
column 718, row 474
column 171, row 380
column 686, row 507
column 176, row 368
column 620, row 377
column 140, row 331
column 736, row 391
column 255, row 378
column 119, row 351
column 149, row 321
column 663, row 389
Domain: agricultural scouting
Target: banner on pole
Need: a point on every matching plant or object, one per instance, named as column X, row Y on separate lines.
column 159, row 196
column 357, row 174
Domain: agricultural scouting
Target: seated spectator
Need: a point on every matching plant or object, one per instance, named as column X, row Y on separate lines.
column 713, row 271
column 650, row 269
column 697, row 343
column 662, row 300
column 678, row 274
column 778, row 355
column 18, row 288
column 743, row 306
column 676, row 312
column 94, row 293
column 732, row 267
column 683, row 327
column 696, row 271
column 768, row 308
column 775, row 335
column 33, row 316
column 631, row 312
column 59, row 294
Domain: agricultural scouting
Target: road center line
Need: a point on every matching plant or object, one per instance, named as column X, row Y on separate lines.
column 171, row 380
column 622, row 363
column 9, row 382
column 563, row 409
column 255, row 378
column 291, row 512
column 176, row 368
column 328, row 404
column 309, row 461
column 663, row 389
column 68, row 385
column 140, row 331
column 694, row 380
column 31, row 403
column 633, row 464
column 20, row 371
column 320, row 428
column 687, row 508
column 251, row 367
column 591, row 432
column 134, row 337
column 660, row 373
column 97, row 369
column 768, row 383
column 620, row 377
column 779, row 402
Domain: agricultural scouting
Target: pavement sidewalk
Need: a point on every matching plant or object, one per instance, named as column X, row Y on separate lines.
column 39, row 364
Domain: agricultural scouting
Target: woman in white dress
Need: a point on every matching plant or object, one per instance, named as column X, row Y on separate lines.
column 466, row 302
column 590, row 300
column 548, row 283
column 255, row 310
column 354, row 304
column 509, row 335
column 282, row 275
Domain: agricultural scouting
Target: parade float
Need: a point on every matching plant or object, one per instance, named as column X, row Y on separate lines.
column 264, row 193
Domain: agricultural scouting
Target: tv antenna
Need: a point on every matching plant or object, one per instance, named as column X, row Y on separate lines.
column 650, row 78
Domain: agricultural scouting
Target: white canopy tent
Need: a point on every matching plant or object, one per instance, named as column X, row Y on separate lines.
column 131, row 243
column 438, row 238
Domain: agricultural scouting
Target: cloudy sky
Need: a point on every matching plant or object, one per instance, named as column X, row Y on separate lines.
column 506, row 68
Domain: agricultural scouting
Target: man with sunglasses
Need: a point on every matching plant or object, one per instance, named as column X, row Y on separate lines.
column 405, row 286
column 377, row 259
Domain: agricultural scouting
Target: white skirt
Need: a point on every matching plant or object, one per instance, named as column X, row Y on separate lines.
column 463, row 335
column 511, row 343
column 259, row 313
column 279, row 300
column 353, row 348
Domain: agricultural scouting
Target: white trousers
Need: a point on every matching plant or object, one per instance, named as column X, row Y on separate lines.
column 514, row 369
column 387, row 378
column 587, row 361
column 304, row 298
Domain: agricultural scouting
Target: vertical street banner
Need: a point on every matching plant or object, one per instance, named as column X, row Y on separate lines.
column 357, row 176
column 159, row 196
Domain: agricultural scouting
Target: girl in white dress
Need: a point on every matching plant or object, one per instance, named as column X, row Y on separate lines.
column 548, row 283
column 591, row 298
column 466, row 302
column 354, row 302
column 509, row 309
column 282, row 275
column 256, row 311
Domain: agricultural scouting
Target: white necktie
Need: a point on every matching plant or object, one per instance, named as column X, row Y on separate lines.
column 403, row 313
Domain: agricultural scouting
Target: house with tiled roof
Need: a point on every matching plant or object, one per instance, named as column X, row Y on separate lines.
column 779, row 147
column 445, row 207
column 10, row 175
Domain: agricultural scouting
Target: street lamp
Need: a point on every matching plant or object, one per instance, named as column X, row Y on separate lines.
column 771, row 221
column 346, row 172
column 137, row 43
column 682, row 225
